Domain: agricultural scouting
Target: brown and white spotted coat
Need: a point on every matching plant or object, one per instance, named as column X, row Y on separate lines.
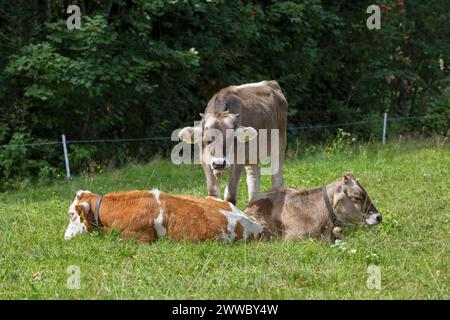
column 148, row 215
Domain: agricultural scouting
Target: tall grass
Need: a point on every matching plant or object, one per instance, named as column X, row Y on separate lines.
column 408, row 181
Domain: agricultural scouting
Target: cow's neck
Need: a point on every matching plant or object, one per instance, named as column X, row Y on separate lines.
column 105, row 213
column 316, row 196
column 93, row 204
column 331, row 190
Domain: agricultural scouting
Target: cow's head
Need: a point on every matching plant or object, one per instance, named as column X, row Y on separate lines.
column 216, row 135
column 79, row 214
column 352, row 204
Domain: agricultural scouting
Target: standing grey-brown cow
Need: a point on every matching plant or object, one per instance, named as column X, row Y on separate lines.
column 247, row 110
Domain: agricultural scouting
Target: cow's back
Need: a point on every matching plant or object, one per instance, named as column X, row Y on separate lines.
column 197, row 219
column 260, row 105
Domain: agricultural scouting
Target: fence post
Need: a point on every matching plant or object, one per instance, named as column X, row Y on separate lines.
column 66, row 158
column 383, row 138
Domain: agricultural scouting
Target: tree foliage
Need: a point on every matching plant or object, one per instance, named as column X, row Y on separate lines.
column 141, row 68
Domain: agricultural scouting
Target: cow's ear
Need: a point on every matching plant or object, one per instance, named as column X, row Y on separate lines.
column 245, row 134
column 190, row 135
column 82, row 209
column 346, row 177
column 233, row 117
column 339, row 195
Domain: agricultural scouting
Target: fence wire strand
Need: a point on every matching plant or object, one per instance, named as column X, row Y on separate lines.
column 306, row 127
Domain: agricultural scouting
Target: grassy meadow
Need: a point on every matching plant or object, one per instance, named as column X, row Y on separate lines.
column 408, row 180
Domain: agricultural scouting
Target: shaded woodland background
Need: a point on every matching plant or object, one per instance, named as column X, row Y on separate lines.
column 143, row 68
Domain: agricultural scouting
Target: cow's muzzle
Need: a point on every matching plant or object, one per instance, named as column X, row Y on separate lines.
column 373, row 218
column 219, row 164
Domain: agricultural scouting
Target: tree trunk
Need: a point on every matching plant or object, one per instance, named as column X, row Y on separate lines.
column 83, row 7
column 49, row 10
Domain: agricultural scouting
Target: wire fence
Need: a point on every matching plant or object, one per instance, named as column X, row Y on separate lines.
column 84, row 141
column 349, row 124
column 383, row 125
column 334, row 125
column 305, row 127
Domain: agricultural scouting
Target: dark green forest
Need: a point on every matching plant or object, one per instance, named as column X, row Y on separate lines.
column 144, row 68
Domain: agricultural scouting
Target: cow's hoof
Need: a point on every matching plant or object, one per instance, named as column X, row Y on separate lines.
column 338, row 233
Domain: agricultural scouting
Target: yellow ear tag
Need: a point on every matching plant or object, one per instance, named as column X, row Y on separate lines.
column 82, row 217
column 246, row 138
column 192, row 140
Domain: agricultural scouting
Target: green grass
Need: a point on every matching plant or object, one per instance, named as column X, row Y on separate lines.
column 407, row 180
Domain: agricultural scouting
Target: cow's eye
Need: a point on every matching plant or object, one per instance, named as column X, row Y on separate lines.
column 359, row 199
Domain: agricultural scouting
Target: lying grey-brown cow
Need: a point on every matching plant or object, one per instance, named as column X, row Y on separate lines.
column 301, row 213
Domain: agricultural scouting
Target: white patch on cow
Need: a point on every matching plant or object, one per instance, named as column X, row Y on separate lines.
column 158, row 222
column 252, row 180
column 226, row 193
column 250, row 85
column 81, row 192
column 210, row 122
column 159, row 226
column 86, row 206
column 75, row 226
column 156, row 193
column 234, row 216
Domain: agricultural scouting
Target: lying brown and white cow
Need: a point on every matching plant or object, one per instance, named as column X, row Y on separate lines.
column 247, row 110
column 320, row 213
column 147, row 215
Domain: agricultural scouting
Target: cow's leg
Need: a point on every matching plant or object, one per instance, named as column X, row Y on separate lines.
column 277, row 178
column 212, row 182
column 143, row 236
column 252, row 180
column 230, row 194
